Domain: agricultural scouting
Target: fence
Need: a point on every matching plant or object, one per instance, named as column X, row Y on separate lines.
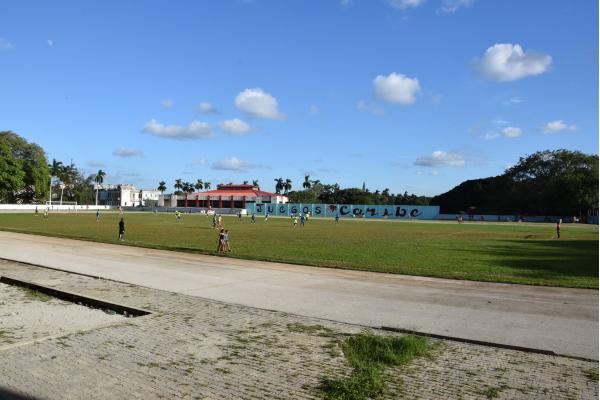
column 347, row 210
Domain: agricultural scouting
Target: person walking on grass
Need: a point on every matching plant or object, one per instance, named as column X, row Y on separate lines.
column 253, row 220
column 221, row 241
column 337, row 218
column 266, row 217
column 97, row 215
column 295, row 221
column 226, row 246
column 122, row 229
column 302, row 220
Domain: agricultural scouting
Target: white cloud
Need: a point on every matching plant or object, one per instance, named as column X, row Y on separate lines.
column 557, row 126
column 195, row 130
column 508, row 62
column 234, row 126
column 450, row 6
column 206, row 108
column 500, row 121
column 366, row 106
column 313, row 110
column 5, row 44
column 396, row 88
column 513, row 100
column 127, row 152
column 167, row 103
column 491, row 135
column 403, row 4
column 258, row 103
column 234, row 164
column 440, row 158
column 512, row 132
column 50, row 42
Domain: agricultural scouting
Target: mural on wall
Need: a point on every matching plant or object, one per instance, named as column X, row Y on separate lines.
column 347, row 210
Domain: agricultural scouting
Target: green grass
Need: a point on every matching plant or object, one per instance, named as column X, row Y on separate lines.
column 496, row 252
column 369, row 355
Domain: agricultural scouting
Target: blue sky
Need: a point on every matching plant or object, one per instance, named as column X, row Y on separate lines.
column 413, row 95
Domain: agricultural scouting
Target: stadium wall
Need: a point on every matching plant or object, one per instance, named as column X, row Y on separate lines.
column 347, row 210
column 54, row 207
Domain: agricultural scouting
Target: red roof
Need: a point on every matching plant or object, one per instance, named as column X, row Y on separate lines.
column 227, row 190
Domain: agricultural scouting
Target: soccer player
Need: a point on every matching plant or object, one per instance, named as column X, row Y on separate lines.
column 97, row 215
column 253, row 220
column 558, row 228
column 220, row 221
column 36, row 211
column 46, row 213
column 226, row 246
column 121, row 229
column 266, row 217
column 221, row 241
column 337, row 218
column 214, row 221
column 302, row 219
column 295, row 221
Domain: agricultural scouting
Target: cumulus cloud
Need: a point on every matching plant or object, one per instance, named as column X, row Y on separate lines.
column 512, row 132
column 206, row 108
column 234, row 126
column 258, row 103
column 234, row 164
column 440, row 158
column 5, row 44
column 403, row 4
column 557, row 126
column 508, row 62
column 195, row 130
column 450, row 6
column 167, row 103
column 127, row 152
column 396, row 88
column 366, row 106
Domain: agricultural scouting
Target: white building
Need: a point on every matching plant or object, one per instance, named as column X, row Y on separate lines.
column 125, row 195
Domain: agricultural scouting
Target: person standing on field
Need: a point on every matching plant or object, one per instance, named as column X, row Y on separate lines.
column 558, row 228
column 97, row 215
column 253, row 220
column 122, row 229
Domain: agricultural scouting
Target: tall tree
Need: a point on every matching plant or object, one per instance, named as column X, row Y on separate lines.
column 178, row 186
column 255, row 183
column 206, row 185
column 287, row 185
column 99, row 179
column 199, row 184
column 306, row 184
column 32, row 161
column 162, row 186
column 279, row 185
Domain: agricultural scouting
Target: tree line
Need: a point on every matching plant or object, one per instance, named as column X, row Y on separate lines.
column 558, row 182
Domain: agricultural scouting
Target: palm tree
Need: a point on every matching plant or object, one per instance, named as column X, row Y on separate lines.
column 255, row 183
column 279, row 185
column 162, row 186
column 189, row 187
column 199, row 184
column 55, row 171
column 306, row 183
column 206, row 185
column 287, row 185
column 245, row 183
column 67, row 177
column 99, row 178
column 315, row 182
column 178, row 185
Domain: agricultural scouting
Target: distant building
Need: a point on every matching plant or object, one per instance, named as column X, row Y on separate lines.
column 225, row 196
column 125, row 195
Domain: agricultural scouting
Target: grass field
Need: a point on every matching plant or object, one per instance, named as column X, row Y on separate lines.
column 497, row 252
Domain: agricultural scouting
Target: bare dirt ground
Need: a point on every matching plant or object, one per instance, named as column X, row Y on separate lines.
column 193, row 348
